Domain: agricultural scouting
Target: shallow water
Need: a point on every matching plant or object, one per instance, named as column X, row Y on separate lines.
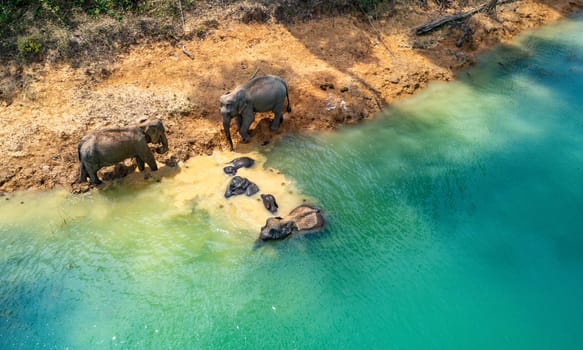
column 455, row 221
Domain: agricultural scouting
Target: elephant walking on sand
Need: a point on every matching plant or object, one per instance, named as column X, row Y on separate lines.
column 112, row 145
column 261, row 94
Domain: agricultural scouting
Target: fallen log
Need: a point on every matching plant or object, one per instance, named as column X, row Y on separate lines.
column 427, row 27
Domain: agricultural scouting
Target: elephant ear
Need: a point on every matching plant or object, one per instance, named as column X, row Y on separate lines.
column 223, row 98
column 241, row 101
column 146, row 131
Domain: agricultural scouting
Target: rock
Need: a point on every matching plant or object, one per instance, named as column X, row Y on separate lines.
column 326, row 86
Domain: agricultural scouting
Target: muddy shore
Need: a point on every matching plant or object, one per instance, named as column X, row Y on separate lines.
column 340, row 70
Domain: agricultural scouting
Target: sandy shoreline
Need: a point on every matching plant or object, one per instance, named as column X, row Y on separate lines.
column 340, row 70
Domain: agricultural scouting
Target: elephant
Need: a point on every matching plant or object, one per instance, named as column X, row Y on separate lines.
column 307, row 218
column 236, row 164
column 261, row 94
column 112, row 145
column 277, row 228
column 269, row 203
column 240, row 185
column 302, row 219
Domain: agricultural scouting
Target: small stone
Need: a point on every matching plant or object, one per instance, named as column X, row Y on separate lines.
column 326, row 86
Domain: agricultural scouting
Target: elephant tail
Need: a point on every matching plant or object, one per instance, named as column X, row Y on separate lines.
column 288, row 108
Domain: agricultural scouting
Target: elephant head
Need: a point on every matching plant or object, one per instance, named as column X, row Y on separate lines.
column 155, row 133
column 233, row 105
column 277, row 228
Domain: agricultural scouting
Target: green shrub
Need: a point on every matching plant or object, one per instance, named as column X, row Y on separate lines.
column 29, row 46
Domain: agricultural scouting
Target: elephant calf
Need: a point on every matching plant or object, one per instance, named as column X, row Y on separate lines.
column 112, row 145
column 261, row 94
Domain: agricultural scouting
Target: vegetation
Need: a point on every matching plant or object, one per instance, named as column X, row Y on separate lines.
column 74, row 30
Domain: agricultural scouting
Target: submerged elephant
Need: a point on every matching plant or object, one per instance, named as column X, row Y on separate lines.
column 302, row 219
column 269, row 203
column 112, row 145
column 277, row 228
column 240, row 185
column 261, row 94
column 237, row 163
column 307, row 218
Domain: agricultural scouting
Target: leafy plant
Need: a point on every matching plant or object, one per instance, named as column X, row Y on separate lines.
column 29, row 46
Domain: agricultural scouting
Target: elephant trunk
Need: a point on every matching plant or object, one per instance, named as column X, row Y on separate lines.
column 227, row 127
column 164, row 148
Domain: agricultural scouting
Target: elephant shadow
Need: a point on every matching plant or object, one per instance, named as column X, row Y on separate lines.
column 118, row 171
column 128, row 167
column 261, row 134
column 126, row 176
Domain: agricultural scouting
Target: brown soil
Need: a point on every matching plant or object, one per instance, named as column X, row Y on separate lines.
column 340, row 70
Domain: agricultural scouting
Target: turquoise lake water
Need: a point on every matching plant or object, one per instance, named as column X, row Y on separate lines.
column 455, row 222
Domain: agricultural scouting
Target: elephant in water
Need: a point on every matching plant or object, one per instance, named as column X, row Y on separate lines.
column 269, row 203
column 112, row 145
column 240, row 185
column 237, row 163
column 302, row 219
column 261, row 94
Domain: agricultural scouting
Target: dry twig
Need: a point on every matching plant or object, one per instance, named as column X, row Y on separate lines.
column 191, row 56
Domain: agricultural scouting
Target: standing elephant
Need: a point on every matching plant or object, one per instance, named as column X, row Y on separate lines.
column 261, row 94
column 112, row 145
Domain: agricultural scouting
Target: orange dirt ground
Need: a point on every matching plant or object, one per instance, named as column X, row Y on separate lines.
column 370, row 63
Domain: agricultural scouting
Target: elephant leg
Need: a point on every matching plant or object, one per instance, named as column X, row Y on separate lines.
column 148, row 157
column 277, row 120
column 239, row 121
column 278, row 115
column 140, row 163
column 92, row 171
column 82, row 174
column 244, row 130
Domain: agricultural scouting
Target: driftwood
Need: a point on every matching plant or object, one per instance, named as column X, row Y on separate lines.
column 257, row 70
column 428, row 27
column 191, row 56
